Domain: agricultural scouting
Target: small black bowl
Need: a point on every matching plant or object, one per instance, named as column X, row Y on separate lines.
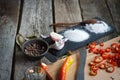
column 35, row 48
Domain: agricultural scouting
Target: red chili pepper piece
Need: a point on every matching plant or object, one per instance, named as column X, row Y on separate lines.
column 102, row 66
column 110, row 69
column 66, row 65
column 93, row 72
column 101, row 44
column 92, row 63
column 92, row 45
column 107, row 49
column 98, row 59
column 114, row 47
column 94, row 67
column 101, row 51
column 43, row 65
column 117, row 59
column 105, row 56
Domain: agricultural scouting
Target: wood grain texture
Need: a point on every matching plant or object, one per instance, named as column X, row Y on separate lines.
column 114, row 6
column 94, row 8
column 66, row 11
column 9, row 14
column 36, row 18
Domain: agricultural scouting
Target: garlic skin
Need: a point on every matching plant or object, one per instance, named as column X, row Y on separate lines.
column 55, row 36
column 59, row 44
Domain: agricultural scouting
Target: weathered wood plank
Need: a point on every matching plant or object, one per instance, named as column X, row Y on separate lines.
column 36, row 18
column 66, row 11
column 114, row 6
column 93, row 8
column 9, row 14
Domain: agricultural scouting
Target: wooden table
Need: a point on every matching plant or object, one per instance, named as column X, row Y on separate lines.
column 33, row 17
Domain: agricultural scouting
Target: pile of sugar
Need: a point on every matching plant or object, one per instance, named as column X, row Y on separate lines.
column 76, row 35
column 99, row 27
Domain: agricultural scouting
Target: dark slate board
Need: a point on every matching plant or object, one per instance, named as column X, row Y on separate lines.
column 69, row 45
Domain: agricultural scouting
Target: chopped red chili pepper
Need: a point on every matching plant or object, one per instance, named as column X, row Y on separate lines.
column 114, row 47
column 110, row 61
column 105, row 56
column 101, row 44
column 107, row 49
column 93, row 72
column 117, row 59
column 92, row 63
column 98, row 59
column 43, row 65
column 92, row 45
column 110, row 69
column 94, row 67
column 101, row 51
column 102, row 66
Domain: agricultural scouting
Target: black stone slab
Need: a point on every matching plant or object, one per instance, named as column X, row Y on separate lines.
column 69, row 45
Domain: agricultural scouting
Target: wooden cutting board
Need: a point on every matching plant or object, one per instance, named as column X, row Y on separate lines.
column 102, row 74
column 53, row 69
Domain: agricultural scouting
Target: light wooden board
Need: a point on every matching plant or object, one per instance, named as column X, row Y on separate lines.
column 9, row 14
column 36, row 18
column 54, row 68
column 102, row 74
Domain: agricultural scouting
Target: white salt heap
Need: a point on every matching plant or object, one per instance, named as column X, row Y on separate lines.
column 99, row 27
column 76, row 35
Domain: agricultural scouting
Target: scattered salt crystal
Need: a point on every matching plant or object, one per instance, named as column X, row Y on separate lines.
column 99, row 27
column 76, row 35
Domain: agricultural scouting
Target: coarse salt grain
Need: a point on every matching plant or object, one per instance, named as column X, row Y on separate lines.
column 76, row 35
column 99, row 27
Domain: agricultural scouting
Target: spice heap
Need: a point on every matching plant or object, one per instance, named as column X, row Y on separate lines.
column 105, row 59
column 34, row 49
column 98, row 27
column 76, row 35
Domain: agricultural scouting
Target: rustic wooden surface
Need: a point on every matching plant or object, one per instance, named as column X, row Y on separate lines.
column 35, row 18
column 93, row 8
column 66, row 11
column 115, row 12
column 9, row 14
